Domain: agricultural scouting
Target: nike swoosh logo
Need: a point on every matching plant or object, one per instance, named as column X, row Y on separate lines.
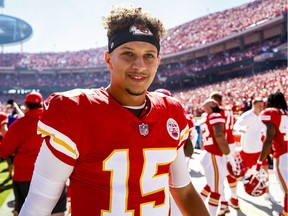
column 46, row 106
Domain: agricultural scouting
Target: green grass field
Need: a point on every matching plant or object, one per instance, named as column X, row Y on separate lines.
column 5, row 186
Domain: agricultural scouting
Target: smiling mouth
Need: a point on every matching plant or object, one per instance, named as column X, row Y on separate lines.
column 137, row 77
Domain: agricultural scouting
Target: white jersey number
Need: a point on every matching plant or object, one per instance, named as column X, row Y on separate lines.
column 229, row 119
column 283, row 127
column 207, row 140
column 118, row 164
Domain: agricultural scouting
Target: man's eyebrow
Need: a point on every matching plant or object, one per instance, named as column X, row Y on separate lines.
column 129, row 48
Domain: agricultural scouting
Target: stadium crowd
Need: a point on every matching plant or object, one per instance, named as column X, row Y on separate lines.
column 86, row 79
column 186, row 36
column 238, row 92
column 221, row 24
column 192, row 98
column 218, row 59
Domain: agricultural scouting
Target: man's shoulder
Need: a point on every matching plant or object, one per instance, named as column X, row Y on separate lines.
column 270, row 111
column 75, row 93
column 215, row 118
column 162, row 99
column 75, row 97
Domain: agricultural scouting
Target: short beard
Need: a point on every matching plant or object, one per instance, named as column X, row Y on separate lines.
column 135, row 93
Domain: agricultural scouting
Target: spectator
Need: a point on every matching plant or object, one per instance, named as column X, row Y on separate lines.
column 22, row 140
column 14, row 112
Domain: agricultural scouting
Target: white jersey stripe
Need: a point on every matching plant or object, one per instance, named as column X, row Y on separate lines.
column 217, row 120
column 58, row 140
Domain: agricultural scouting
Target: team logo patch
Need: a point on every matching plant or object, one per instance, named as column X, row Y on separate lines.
column 173, row 129
column 143, row 129
column 140, row 31
column 112, row 45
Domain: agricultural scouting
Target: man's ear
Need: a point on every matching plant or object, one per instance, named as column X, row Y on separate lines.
column 107, row 59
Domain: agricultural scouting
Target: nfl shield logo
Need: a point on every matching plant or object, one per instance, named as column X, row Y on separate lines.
column 143, row 129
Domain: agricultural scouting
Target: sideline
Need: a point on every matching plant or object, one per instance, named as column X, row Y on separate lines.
column 5, row 209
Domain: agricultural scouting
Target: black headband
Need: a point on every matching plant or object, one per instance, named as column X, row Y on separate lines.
column 132, row 34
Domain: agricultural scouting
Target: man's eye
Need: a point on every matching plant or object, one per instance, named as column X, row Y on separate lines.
column 128, row 53
column 149, row 56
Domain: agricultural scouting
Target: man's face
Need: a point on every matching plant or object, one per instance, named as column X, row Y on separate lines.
column 207, row 108
column 133, row 66
column 258, row 107
column 9, row 109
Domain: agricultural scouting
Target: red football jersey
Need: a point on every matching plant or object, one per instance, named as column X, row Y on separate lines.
column 279, row 118
column 22, row 140
column 3, row 118
column 190, row 120
column 227, row 114
column 207, row 133
column 121, row 162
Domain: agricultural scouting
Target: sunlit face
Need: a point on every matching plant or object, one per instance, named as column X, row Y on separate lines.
column 133, row 66
column 258, row 107
column 207, row 108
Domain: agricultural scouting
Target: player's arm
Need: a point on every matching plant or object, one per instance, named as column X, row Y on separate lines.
column 189, row 201
column 3, row 129
column 49, row 178
column 182, row 189
column 188, row 148
column 20, row 113
column 267, row 144
column 219, row 134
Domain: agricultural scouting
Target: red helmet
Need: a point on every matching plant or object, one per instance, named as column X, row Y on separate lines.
column 256, row 185
column 164, row 91
column 240, row 170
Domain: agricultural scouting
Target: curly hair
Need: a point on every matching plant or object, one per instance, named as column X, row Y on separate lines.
column 123, row 17
column 277, row 100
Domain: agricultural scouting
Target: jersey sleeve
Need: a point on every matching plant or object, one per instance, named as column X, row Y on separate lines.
column 57, row 127
column 269, row 115
column 216, row 118
column 179, row 176
column 3, row 119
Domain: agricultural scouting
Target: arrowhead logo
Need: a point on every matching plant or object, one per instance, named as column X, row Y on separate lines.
column 46, row 106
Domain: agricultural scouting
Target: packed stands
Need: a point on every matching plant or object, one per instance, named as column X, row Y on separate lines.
column 195, row 33
column 238, row 92
column 195, row 52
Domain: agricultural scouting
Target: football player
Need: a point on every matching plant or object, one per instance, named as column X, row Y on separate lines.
column 252, row 131
column 228, row 115
column 275, row 117
column 215, row 146
column 120, row 146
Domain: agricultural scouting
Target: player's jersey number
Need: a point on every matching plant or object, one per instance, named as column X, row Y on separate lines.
column 118, row 164
column 283, row 127
column 229, row 119
column 206, row 138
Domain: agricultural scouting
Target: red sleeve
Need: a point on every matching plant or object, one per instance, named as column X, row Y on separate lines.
column 3, row 119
